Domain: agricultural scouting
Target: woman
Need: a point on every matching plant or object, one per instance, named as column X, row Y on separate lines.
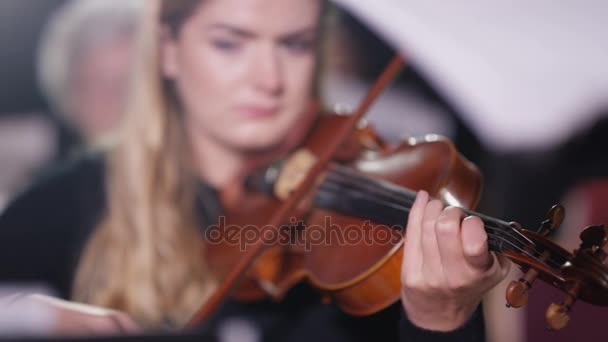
column 219, row 86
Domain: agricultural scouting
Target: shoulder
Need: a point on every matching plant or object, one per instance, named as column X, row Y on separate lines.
column 82, row 168
column 58, row 190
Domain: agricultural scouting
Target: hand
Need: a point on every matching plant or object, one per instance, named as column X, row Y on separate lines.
column 447, row 267
column 70, row 319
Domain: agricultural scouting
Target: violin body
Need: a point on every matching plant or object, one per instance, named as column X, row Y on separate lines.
column 348, row 259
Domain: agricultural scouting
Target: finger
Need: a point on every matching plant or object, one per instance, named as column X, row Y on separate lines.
column 504, row 265
column 431, row 260
column 76, row 318
column 495, row 274
column 102, row 324
column 474, row 241
column 412, row 253
column 447, row 232
column 411, row 265
column 126, row 324
column 110, row 323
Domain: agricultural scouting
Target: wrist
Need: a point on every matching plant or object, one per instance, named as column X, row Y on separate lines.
column 444, row 319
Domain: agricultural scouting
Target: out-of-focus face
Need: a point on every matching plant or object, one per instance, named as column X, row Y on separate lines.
column 99, row 87
column 244, row 69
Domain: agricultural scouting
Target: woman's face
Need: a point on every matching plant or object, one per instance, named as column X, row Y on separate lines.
column 244, row 69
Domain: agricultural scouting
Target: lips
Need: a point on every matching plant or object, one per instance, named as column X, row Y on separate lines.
column 254, row 112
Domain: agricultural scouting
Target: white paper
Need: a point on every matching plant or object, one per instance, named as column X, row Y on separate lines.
column 523, row 73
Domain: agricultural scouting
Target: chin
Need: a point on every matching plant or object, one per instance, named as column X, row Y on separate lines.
column 257, row 143
column 257, row 137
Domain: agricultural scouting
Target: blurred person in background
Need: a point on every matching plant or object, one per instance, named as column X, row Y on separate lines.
column 84, row 62
column 219, row 87
column 83, row 65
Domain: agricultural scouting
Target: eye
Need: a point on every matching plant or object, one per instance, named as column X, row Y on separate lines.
column 225, row 45
column 299, row 45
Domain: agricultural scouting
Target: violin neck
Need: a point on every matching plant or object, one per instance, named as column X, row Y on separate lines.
column 381, row 202
column 350, row 193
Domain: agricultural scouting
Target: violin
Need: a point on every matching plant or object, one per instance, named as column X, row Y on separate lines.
column 310, row 215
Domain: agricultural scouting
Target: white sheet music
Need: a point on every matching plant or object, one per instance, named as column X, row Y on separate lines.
column 524, row 73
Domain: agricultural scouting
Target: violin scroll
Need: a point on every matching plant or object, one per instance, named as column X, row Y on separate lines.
column 517, row 291
column 587, row 268
column 580, row 275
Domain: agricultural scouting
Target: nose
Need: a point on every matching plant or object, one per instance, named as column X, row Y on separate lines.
column 268, row 71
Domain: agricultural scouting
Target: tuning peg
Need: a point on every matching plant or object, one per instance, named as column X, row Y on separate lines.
column 555, row 217
column 593, row 241
column 517, row 291
column 558, row 315
column 594, row 238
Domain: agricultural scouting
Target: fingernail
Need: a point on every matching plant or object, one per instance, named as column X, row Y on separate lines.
column 422, row 195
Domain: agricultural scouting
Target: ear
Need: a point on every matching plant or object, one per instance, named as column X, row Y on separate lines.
column 168, row 54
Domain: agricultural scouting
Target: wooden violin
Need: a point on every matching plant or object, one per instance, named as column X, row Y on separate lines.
column 308, row 214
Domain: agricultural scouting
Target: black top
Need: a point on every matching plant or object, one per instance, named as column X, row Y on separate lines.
column 43, row 232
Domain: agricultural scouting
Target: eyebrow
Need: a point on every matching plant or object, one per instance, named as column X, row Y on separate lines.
column 240, row 32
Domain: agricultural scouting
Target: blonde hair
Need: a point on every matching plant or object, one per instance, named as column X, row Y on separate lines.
column 146, row 256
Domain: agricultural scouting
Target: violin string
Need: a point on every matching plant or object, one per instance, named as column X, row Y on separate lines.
column 499, row 236
column 384, row 188
column 486, row 224
column 516, row 248
column 401, row 192
column 396, row 200
column 409, row 201
column 523, row 247
column 405, row 203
